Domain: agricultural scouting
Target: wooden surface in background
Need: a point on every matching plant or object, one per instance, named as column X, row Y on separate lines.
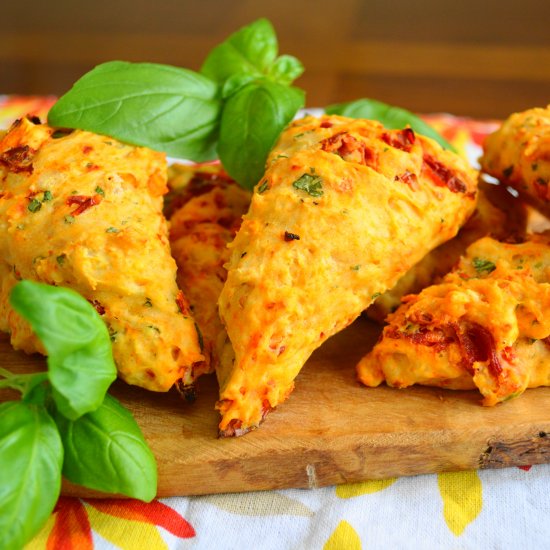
column 331, row 430
column 470, row 58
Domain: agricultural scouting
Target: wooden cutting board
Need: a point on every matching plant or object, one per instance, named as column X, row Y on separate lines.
column 331, row 430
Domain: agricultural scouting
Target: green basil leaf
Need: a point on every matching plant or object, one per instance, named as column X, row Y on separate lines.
column 31, row 458
column 235, row 82
column 158, row 106
column 393, row 118
column 105, row 450
column 286, row 69
column 37, row 390
column 250, row 50
column 80, row 358
column 252, row 121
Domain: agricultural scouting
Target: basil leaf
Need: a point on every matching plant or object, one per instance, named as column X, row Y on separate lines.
column 393, row 118
column 158, row 106
column 105, row 450
column 31, row 457
column 235, row 82
column 80, row 359
column 250, row 50
column 252, row 121
column 286, row 69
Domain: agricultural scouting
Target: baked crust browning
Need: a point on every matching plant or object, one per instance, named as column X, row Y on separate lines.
column 498, row 214
column 85, row 211
column 518, row 154
column 207, row 207
column 344, row 209
column 483, row 327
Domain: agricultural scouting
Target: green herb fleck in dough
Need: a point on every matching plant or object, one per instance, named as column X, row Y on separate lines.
column 312, row 185
column 263, row 187
column 34, row 206
column 483, row 266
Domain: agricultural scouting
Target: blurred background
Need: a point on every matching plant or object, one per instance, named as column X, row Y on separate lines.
column 471, row 57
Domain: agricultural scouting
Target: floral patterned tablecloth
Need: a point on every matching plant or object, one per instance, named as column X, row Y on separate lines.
column 488, row 509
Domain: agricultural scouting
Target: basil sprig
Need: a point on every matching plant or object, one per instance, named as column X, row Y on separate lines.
column 65, row 422
column 158, row 106
column 393, row 118
column 235, row 108
column 252, row 120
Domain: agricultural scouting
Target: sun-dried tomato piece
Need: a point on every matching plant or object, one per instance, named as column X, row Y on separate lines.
column 443, row 176
column 18, row 159
column 408, row 178
column 477, row 344
column 400, row 139
column 84, row 202
column 350, row 149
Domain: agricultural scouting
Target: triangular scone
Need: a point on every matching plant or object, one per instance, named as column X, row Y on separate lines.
column 486, row 326
column 85, row 211
column 207, row 207
column 498, row 214
column 344, row 209
column 518, row 154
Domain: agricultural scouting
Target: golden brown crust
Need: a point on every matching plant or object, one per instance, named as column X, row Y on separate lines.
column 344, row 209
column 518, row 154
column 483, row 327
column 498, row 213
column 85, row 211
column 207, row 207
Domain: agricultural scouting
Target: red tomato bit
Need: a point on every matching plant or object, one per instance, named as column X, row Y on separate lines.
column 443, row 176
column 84, row 202
column 400, row 139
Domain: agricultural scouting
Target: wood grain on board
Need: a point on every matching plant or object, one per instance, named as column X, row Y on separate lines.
column 331, row 430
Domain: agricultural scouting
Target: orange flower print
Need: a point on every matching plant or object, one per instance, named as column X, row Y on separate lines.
column 71, row 529
column 123, row 522
column 155, row 513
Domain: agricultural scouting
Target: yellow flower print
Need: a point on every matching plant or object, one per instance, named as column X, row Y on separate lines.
column 344, row 537
column 350, row 490
column 462, row 498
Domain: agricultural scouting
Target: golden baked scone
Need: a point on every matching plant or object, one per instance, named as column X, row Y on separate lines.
column 518, row 154
column 498, row 213
column 85, row 211
column 485, row 326
column 344, row 209
column 207, row 207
